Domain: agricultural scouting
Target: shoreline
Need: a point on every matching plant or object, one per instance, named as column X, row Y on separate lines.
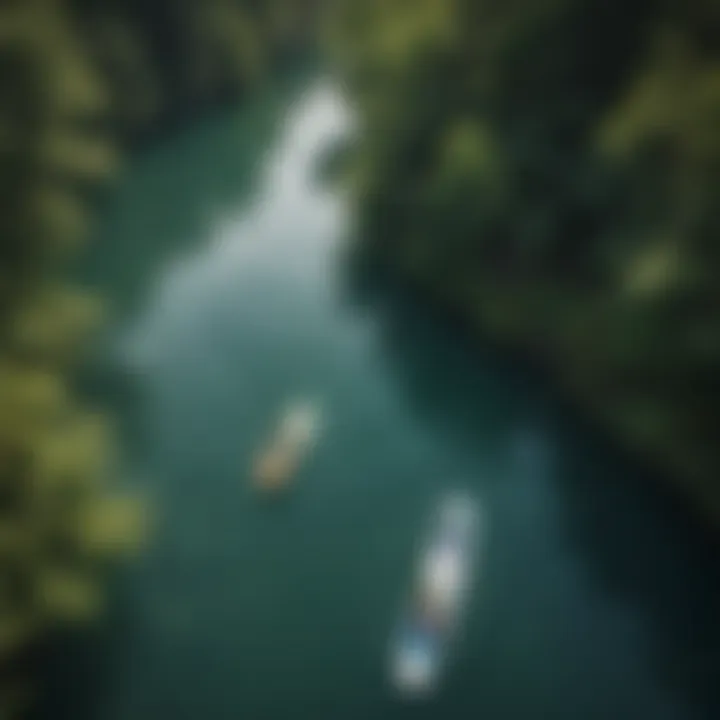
column 573, row 396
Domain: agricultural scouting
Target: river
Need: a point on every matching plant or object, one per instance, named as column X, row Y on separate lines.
column 221, row 253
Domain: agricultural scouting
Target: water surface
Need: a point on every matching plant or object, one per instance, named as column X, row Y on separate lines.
column 597, row 601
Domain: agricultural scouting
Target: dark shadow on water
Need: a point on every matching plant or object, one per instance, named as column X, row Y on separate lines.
column 637, row 545
column 76, row 670
column 646, row 548
column 459, row 383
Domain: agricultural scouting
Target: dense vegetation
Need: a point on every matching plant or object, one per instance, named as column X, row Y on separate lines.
column 79, row 79
column 161, row 59
column 552, row 169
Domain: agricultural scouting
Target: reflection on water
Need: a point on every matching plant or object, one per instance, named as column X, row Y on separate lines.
column 283, row 241
column 596, row 598
column 643, row 550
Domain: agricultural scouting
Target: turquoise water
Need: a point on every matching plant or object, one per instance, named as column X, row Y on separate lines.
column 223, row 255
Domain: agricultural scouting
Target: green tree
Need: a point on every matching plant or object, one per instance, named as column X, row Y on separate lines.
column 78, row 78
column 552, row 168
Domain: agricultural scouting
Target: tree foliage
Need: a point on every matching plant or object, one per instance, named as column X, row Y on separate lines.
column 552, row 167
column 78, row 79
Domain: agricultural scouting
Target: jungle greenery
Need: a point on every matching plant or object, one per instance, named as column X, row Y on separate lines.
column 551, row 168
column 80, row 82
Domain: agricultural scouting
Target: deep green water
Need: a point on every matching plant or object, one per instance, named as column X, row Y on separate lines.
column 597, row 600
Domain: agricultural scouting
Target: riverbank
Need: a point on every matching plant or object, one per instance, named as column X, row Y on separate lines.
column 84, row 85
column 497, row 319
column 548, row 190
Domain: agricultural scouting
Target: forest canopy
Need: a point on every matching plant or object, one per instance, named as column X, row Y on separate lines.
column 552, row 169
column 81, row 81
